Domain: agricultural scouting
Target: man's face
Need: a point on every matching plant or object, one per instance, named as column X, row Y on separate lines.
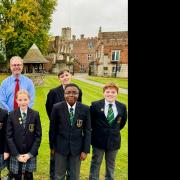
column 110, row 94
column 71, row 95
column 65, row 78
column 23, row 101
column 16, row 67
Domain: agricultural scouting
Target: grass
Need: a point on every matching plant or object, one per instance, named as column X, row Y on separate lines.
column 121, row 82
column 90, row 93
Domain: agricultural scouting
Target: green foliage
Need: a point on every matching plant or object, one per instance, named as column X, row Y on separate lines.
column 25, row 22
column 1, row 58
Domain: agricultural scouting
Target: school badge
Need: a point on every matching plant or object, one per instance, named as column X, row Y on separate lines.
column 31, row 127
column 119, row 119
column 1, row 125
column 79, row 123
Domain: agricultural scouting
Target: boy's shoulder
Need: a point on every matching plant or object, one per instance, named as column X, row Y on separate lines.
column 98, row 102
column 56, row 89
column 120, row 103
column 82, row 105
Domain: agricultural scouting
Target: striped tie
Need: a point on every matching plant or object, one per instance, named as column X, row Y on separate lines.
column 110, row 115
column 71, row 114
column 24, row 118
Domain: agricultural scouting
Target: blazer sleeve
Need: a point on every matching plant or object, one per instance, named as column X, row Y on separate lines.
column 49, row 103
column 6, row 149
column 124, row 117
column 38, row 136
column 52, row 130
column 9, row 137
column 87, row 133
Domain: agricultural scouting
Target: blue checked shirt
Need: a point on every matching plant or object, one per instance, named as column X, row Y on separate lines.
column 7, row 91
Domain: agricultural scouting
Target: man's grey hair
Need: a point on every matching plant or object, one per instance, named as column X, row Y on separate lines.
column 17, row 58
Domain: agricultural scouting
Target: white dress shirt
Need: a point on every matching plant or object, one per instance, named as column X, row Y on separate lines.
column 113, row 107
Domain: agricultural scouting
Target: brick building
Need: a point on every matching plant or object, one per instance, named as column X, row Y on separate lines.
column 111, row 55
column 105, row 55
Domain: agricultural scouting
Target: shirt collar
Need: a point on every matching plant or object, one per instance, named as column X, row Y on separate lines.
column 13, row 77
column 107, row 103
column 74, row 106
column 23, row 111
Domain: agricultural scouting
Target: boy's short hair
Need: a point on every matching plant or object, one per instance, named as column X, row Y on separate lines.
column 111, row 85
column 63, row 71
column 71, row 85
column 22, row 91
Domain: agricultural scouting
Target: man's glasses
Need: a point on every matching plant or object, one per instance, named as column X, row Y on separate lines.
column 16, row 65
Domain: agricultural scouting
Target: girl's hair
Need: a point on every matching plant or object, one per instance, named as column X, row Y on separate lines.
column 22, row 91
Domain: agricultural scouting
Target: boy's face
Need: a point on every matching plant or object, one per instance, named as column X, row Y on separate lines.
column 71, row 95
column 23, row 101
column 65, row 78
column 110, row 94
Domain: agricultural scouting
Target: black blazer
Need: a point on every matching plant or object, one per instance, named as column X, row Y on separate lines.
column 65, row 138
column 105, row 136
column 3, row 123
column 24, row 140
column 56, row 95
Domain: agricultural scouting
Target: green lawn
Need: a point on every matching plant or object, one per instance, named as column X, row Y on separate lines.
column 121, row 82
column 90, row 93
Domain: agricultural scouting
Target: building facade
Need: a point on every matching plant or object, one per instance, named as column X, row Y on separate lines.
column 104, row 55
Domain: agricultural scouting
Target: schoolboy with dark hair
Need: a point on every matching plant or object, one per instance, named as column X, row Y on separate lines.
column 70, row 134
column 54, row 96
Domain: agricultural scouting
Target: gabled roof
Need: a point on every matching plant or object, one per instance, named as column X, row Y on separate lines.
column 114, row 35
column 34, row 55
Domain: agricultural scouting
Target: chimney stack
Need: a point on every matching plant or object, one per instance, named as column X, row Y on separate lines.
column 82, row 36
column 74, row 37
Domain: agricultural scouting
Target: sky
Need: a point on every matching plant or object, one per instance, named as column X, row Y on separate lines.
column 86, row 16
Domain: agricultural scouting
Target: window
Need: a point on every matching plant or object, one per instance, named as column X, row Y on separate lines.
column 82, row 68
column 89, row 56
column 90, row 45
column 116, row 55
column 116, row 70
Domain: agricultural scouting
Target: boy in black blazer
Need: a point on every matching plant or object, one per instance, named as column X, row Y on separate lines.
column 23, row 137
column 108, row 117
column 3, row 146
column 54, row 96
column 70, row 134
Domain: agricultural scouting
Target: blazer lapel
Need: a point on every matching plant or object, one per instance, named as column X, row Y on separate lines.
column 118, row 108
column 102, row 109
column 77, row 111
column 18, row 116
column 66, row 114
column 28, row 118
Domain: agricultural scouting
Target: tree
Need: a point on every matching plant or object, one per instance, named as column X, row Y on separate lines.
column 24, row 22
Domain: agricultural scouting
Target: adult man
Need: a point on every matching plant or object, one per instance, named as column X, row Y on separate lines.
column 13, row 83
column 54, row 96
